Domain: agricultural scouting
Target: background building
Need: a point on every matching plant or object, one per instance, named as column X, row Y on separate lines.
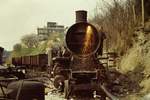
column 51, row 27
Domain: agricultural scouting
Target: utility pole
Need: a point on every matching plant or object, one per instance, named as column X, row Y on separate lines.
column 142, row 2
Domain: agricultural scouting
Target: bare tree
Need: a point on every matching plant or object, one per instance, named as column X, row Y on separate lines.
column 138, row 8
column 117, row 20
column 30, row 40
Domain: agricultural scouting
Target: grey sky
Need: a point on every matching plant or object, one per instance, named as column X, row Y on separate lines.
column 20, row 17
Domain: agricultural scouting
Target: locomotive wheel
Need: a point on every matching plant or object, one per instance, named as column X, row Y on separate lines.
column 57, row 80
column 66, row 89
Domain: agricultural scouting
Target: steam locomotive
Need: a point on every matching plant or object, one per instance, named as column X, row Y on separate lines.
column 82, row 74
column 86, row 72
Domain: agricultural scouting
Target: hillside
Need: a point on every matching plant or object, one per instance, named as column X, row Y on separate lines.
column 136, row 62
column 126, row 36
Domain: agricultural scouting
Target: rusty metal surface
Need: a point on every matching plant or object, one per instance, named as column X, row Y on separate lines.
column 78, row 41
column 17, row 61
column 32, row 60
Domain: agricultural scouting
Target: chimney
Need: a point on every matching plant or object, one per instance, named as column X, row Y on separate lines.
column 81, row 16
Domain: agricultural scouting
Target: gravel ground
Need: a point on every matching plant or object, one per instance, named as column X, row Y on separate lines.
column 54, row 97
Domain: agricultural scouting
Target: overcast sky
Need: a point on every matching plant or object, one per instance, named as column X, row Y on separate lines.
column 20, row 17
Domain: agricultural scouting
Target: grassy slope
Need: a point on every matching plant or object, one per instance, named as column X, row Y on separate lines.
column 137, row 61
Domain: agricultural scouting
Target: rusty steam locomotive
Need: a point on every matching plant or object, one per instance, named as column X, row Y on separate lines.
column 86, row 72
